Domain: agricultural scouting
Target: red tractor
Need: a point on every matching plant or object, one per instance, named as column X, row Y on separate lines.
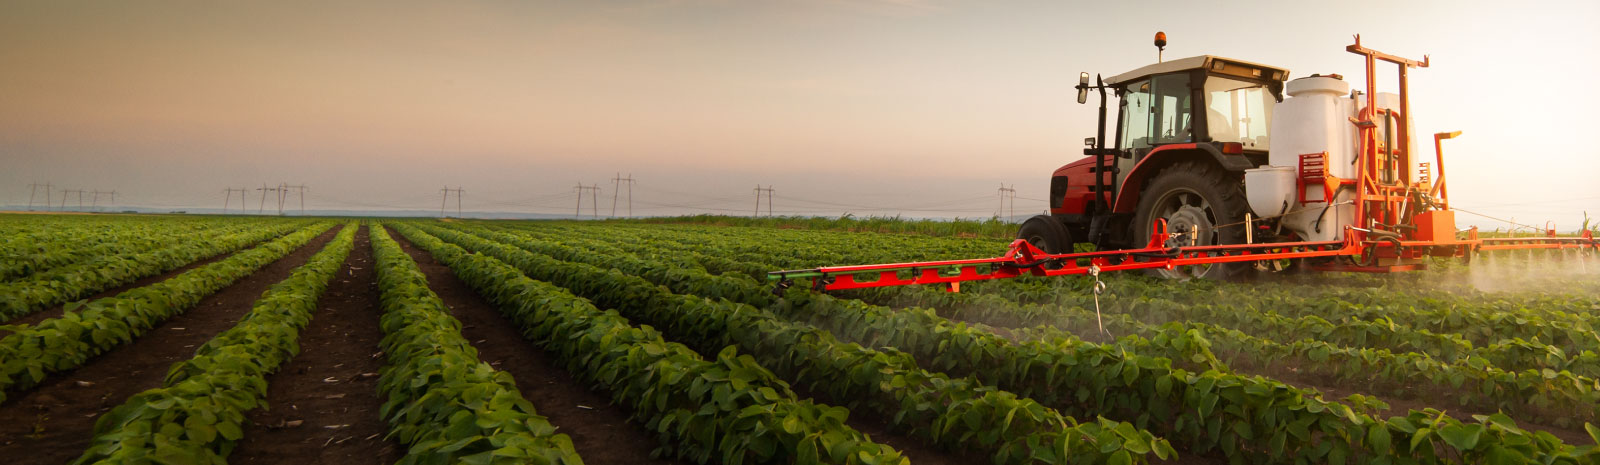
column 1218, row 166
column 1186, row 131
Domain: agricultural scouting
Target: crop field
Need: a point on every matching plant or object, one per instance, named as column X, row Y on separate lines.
column 176, row 339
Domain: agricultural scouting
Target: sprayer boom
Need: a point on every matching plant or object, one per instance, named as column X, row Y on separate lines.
column 1023, row 259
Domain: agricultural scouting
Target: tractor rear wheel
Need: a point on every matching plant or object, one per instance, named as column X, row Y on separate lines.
column 1046, row 233
column 1203, row 205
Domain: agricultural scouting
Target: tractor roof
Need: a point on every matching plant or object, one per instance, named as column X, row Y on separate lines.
column 1230, row 66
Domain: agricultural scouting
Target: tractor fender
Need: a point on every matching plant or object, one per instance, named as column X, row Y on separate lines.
column 1166, row 155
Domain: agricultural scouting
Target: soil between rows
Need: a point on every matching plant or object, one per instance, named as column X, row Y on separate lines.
column 330, row 390
column 600, row 430
column 54, row 422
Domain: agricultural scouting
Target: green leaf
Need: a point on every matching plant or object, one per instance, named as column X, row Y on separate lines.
column 1462, row 437
column 229, row 430
column 1378, row 438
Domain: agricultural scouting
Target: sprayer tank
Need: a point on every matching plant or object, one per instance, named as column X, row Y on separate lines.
column 1314, row 119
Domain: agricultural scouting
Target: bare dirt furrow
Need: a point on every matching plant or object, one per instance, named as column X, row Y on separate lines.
column 600, row 431
column 322, row 406
column 53, row 423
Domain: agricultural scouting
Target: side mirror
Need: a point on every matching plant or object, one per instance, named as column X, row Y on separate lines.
column 1088, row 141
column 1083, row 87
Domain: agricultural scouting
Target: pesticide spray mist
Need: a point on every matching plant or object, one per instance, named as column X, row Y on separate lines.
column 1542, row 271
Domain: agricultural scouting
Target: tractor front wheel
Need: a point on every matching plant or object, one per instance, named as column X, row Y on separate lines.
column 1203, row 205
column 1046, row 233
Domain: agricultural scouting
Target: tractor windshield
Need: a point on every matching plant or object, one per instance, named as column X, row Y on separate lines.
column 1238, row 111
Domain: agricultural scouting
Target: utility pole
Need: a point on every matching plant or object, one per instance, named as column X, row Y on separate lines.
column 33, row 189
column 447, row 190
column 594, row 199
column 1007, row 193
column 230, row 192
column 283, row 191
column 616, row 187
column 64, row 193
column 759, row 190
column 95, row 203
column 300, row 190
column 262, row 208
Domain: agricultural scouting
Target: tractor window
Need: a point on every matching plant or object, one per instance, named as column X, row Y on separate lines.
column 1136, row 116
column 1171, row 118
column 1238, row 111
column 1156, row 111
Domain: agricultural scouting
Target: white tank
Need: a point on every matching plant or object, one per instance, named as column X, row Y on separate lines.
column 1315, row 118
column 1270, row 190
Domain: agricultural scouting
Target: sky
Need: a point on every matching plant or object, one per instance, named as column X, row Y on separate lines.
column 917, row 107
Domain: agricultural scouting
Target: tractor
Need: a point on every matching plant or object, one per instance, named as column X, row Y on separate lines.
column 1217, row 168
column 1186, row 130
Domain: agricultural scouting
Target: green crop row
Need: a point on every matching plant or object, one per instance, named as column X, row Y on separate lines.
column 1249, row 419
column 1523, row 335
column 56, row 345
column 1184, row 348
column 1353, row 444
column 22, row 256
column 198, row 414
column 1487, row 320
column 1552, row 394
column 1553, row 397
column 951, row 413
column 1483, row 321
column 22, row 236
column 728, row 410
column 1382, row 333
column 932, row 334
column 443, row 403
column 60, row 285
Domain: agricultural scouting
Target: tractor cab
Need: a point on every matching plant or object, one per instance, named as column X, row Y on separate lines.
column 1203, row 99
